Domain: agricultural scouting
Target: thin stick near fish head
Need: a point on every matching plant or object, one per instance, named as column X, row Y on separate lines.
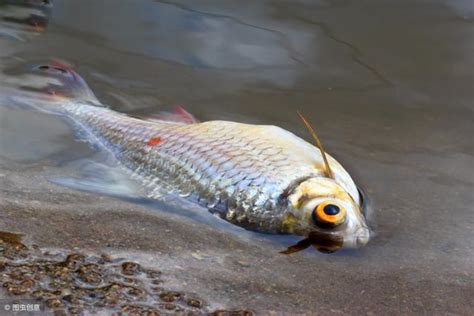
column 329, row 172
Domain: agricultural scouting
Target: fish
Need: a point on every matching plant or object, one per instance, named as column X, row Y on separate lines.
column 262, row 178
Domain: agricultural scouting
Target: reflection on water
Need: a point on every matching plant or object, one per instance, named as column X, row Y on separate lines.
column 178, row 35
column 267, row 49
column 464, row 8
column 20, row 20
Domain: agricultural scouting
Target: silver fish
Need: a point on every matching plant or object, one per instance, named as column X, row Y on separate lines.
column 259, row 177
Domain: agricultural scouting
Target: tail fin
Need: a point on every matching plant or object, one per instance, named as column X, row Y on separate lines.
column 66, row 83
column 42, row 86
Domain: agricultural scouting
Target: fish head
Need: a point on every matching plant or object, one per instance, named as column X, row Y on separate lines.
column 322, row 210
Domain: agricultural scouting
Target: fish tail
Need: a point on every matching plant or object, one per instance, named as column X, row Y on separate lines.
column 68, row 83
column 48, row 86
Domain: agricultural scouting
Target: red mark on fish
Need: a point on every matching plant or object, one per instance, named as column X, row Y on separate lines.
column 153, row 141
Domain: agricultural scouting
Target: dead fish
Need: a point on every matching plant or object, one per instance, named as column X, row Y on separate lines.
column 259, row 177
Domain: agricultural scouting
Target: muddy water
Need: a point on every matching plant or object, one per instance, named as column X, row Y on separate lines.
column 387, row 84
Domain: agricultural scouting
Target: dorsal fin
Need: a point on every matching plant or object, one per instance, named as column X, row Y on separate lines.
column 329, row 172
column 177, row 115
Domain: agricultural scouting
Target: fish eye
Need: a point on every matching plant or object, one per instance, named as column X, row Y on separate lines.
column 328, row 214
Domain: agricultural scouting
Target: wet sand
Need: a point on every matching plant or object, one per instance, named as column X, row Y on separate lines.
column 387, row 85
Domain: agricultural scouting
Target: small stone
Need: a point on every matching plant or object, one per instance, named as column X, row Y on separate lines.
column 243, row 263
column 27, row 284
column 169, row 306
column 130, row 268
column 73, row 261
column 106, row 257
column 53, row 303
column 170, row 296
column 90, row 273
column 153, row 274
column 17, row 290
column 194, row 302
column 74, row 310
column 157, row 289
column 60, row 312
column 37, row 293
column 197, row 256
column 135, row 292
column 125, row 308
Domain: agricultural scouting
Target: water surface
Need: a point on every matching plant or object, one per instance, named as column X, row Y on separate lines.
column 387, row 84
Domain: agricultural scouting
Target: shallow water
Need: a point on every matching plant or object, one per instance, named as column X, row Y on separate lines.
column 387, row 84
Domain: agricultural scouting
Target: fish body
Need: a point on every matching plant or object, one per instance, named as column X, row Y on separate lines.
column 242, row 172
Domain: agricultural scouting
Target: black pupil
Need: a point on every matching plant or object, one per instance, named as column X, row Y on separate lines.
column 331, row 209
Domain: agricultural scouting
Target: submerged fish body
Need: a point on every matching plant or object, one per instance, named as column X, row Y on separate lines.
column 259, row 177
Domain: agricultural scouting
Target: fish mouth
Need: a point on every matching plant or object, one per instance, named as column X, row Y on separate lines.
column 360, row 238
column 363, row 237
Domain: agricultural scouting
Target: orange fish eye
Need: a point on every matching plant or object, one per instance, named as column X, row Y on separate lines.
column 328, row 214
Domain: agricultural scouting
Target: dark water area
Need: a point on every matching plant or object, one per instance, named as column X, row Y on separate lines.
column 388, row 86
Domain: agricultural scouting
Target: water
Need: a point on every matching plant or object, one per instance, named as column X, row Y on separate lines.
column 388, row 86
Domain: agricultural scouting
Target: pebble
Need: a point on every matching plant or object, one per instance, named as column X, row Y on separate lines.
column 194, row 302
column 170, row 296
column 130, row 268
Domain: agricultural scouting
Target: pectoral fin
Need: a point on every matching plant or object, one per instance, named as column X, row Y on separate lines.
column 326, row 243
column 301, row 245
